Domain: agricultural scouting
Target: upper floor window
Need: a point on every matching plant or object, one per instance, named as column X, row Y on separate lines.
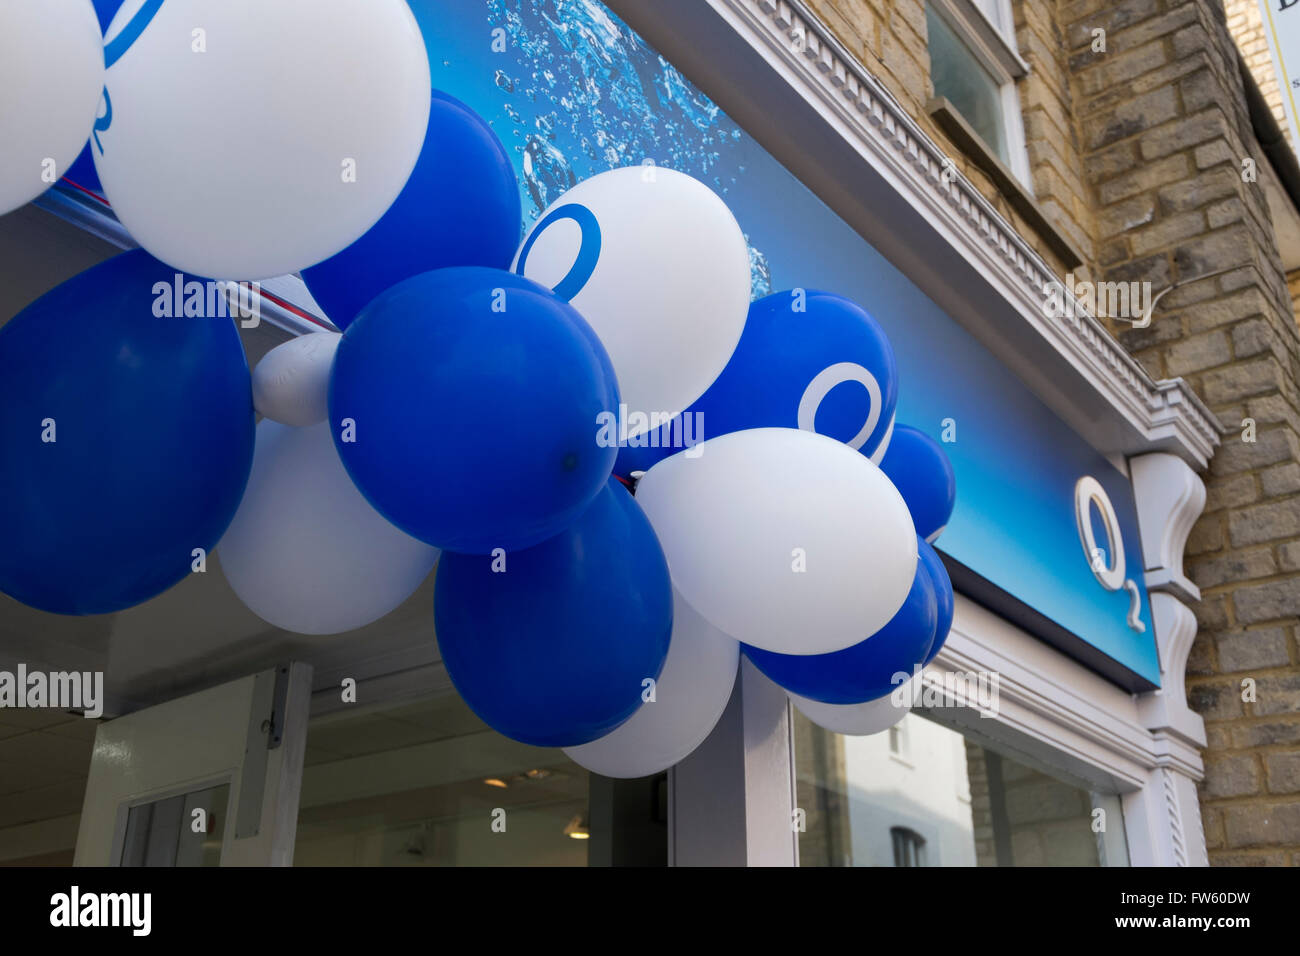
column 974, row 65
column 909, row 847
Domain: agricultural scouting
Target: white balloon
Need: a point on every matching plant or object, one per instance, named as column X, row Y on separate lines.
column 305, row 551
column 690, row 696
column 858, row 720
column 291, row 383
column 660, row 269
column 786, row 539
column 247, row 138
column 51, row 74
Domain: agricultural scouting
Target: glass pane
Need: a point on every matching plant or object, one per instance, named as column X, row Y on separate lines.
column 924, row 795
column 185, row 830
column 971, row 89
column 429, row 784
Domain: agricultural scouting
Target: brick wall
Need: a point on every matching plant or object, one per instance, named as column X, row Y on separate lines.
column 1246, row 25
column 1137, row 154
column 1166, row 162
column 1051, row 136
column 890, row 39
column 981, row 805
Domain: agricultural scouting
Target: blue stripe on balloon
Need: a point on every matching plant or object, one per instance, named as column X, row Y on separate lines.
column 588, row 255
column 131, row 32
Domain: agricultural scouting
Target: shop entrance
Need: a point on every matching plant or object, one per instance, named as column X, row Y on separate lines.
column 210, row 779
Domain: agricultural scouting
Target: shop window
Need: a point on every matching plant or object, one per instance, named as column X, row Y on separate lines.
column 909, row 847
column 955, row 803
column 974, row 66
column 429, row 784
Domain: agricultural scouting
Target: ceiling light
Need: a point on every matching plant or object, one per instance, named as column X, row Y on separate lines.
column 576, row 829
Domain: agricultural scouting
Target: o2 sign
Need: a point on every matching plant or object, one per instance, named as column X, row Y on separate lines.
column 114, row 50
column 821, row 386
column 1110, row 575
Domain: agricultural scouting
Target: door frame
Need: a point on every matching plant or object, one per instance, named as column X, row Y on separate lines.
column 258, row 748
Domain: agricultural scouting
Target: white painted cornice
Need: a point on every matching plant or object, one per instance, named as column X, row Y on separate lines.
column 1167, row 408
column 804, row 53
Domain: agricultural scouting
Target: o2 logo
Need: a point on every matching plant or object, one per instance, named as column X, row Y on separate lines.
column 820, row 387
column 102, row 123
column 114, row 50
column 588, row 252
column 1088, row 492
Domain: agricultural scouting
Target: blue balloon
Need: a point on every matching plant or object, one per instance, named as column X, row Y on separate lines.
column 944, row 594
column 864, row 671
column 552, row 646
column 476, row 397
column 82, row 171
column 923, row 475
column 459, row 208
column 806, row 359
column 106, row 10
column 126, row 438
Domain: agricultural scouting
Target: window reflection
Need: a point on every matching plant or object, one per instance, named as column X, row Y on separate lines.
column 921, row 794
column 958, row 75
column 429, row 784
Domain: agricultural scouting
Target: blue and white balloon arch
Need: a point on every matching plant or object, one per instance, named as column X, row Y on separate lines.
column 592, row 593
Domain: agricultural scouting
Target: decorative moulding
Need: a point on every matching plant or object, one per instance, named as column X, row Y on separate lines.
column 1166, row 411
column 1166, row 710
column 1170, row 497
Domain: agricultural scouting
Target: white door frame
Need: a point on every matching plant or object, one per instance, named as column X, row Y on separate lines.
column 732, row 800
column 250, row 733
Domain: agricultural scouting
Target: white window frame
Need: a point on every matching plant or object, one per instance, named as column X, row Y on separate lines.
column 993, row 44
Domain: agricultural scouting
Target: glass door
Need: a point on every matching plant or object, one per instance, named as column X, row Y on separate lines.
column 426, row 783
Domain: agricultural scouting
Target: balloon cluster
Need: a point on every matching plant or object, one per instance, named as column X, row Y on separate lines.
column 624, row 471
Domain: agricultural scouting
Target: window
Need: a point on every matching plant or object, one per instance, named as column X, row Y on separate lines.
column 898, row 743
column 426, row 783
column 909, row 847
column 974, row 65
column 957, row 802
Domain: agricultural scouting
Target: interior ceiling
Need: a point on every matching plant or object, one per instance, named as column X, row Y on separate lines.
column 199, row 633
column 44, row 757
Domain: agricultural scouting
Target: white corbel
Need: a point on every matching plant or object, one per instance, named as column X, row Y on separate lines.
column 1170, row 497
column 1166, row 709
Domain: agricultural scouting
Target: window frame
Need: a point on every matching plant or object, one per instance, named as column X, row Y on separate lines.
column 995, row 50
column 908, row 845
